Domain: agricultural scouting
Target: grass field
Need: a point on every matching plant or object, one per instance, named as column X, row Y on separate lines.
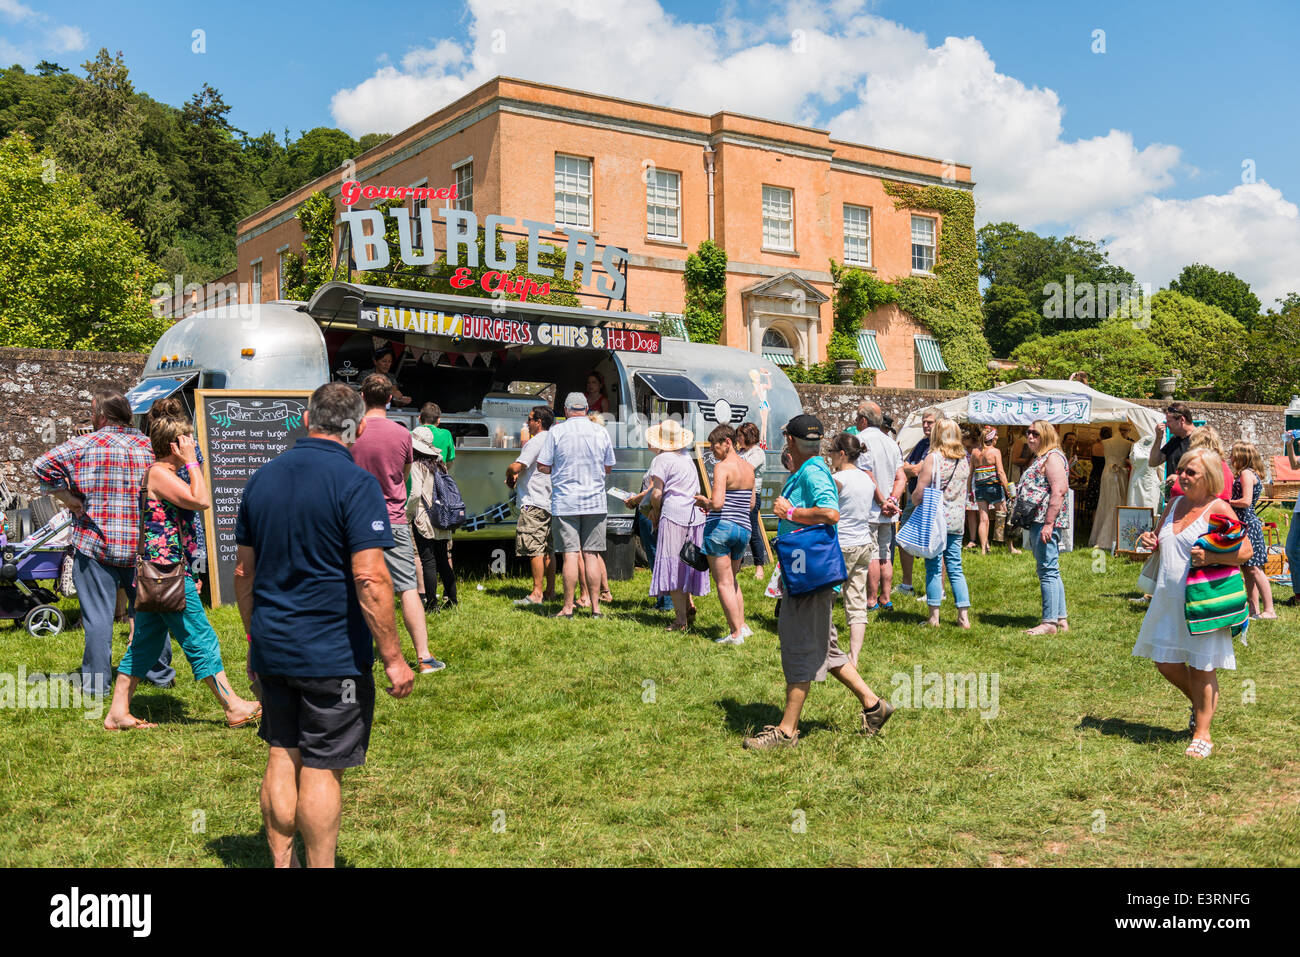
column 617, row 743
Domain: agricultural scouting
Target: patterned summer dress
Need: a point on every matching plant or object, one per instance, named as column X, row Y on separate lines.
column 1254, row 527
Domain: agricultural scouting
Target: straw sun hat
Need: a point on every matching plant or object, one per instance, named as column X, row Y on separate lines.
column 669, row 436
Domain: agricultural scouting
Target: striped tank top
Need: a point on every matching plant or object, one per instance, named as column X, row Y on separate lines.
column 735, row 506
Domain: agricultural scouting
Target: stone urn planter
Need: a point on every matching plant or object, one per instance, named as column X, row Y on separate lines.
column 844, row 369
column 1165, row 386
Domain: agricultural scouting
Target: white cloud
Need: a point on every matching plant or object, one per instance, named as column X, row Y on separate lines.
column 16, row 11
column 1252, row 231
column 837, row 66
column 66, row 39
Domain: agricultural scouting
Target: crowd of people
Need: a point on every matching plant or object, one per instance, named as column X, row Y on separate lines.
column 339, row 533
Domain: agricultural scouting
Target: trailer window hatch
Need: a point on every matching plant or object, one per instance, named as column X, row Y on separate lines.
column 143, row 396
column 672, row 387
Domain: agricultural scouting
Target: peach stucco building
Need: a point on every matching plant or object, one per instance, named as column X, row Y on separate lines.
column 782, row 200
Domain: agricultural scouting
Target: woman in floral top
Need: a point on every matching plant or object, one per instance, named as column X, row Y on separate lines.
column 168, row 516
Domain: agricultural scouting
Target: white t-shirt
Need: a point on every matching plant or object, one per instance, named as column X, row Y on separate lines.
column 882, row 456
column 857, row 502
column 533, row 487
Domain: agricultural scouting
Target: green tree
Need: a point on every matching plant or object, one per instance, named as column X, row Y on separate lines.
column 32, row 102
column 1203, row 342
column 1045, row 268
column 307, row 271
column 72, row 275
column 1217, row 288
column 1009, row 320
column 1119, row 358
column 99, row 138
column 705, row 279
column 371, row 140
column 1268, row 371
column 315, row 153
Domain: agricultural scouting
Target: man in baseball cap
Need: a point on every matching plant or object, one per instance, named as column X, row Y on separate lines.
column 809, row 643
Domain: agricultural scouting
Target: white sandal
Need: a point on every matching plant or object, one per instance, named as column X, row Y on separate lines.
column 1199, row 748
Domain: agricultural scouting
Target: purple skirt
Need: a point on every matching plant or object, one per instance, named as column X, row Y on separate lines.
column 670, row 572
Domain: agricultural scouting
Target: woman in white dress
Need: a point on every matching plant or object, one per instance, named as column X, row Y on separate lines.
column 1114, row 489
column 1189, row 663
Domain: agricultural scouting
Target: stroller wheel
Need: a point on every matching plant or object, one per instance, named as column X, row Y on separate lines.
column 44, row 621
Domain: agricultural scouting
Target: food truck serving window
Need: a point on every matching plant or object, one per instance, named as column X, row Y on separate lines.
column 143, row 396
column 672, row 387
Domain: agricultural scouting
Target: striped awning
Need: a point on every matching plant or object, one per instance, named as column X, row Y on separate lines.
column 779, row 357
column 869, row 352
column 931, row 358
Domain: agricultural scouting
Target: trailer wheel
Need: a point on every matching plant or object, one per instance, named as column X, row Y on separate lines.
column 44, row 621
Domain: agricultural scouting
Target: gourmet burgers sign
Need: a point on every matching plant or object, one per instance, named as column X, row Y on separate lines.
column 370, row 248
column 503, row 332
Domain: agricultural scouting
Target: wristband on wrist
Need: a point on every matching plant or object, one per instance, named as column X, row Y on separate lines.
column 789, row 514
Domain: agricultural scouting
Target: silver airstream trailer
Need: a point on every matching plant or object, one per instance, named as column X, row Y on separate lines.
column 486, row 363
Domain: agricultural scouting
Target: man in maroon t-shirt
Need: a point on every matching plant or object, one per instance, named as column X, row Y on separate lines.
column 384, row 450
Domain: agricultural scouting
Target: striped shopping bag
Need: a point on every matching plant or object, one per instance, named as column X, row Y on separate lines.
column 1216, row 594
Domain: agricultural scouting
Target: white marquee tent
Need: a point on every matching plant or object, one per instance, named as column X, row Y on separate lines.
column 1060, row 402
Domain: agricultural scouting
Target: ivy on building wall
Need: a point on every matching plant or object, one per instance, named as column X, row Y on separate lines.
column 948, row 304
column 857, row 294
column 705, row 279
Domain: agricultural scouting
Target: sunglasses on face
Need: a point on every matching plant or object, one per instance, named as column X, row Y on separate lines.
column 1190, row 473
column 1031, row 432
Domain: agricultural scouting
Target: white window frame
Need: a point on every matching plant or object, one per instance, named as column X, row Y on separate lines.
column 773, row 202
column 666, row 198
column 418, row 204
column 923, row 379
column 932, row 246
column 859, row 230
column 281, row 255
column 464, row 197
column 255, row 287
column 570, row 167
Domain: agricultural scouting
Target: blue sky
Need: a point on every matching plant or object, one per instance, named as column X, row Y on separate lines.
column 1190, row 89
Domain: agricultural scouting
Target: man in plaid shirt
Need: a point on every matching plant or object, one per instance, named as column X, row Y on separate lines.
column 98, row 476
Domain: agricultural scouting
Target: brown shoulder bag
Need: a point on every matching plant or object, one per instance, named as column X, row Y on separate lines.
column 159, row 586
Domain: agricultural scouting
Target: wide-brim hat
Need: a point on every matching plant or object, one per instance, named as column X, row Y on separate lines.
column 669, row 436
column 422, row 442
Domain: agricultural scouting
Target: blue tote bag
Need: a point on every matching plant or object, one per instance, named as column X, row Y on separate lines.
column 810, row 559
column 926, row 533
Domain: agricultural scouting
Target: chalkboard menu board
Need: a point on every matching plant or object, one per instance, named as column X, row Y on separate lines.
column 241, row 432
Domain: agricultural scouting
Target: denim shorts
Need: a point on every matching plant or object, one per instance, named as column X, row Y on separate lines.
column 725, row 537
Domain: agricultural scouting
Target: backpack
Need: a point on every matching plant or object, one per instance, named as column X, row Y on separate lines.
column 448, row 508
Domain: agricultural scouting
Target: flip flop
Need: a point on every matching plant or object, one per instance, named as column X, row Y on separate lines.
column 562, row 615
column 257, row 713
column 1199, row 749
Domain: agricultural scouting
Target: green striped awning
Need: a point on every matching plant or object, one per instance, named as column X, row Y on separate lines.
column 931, row 358
column 869, row 352
column 780, row 358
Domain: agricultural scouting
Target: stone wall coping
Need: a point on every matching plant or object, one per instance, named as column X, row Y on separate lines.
column 69, row 355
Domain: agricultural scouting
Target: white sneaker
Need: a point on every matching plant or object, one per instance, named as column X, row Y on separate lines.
column 745, row 632
column 905, row 589
column 729, row 640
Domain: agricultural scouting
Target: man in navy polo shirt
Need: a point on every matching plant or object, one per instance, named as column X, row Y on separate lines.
column 315, row 596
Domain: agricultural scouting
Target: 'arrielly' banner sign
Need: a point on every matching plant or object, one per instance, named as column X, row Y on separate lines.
column 370, row 249
column 1023, row 408
column 504, row 332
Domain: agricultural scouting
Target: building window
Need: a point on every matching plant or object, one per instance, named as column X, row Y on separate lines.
column 572, row 191
column 922, row 244
column 256, row 290
column 281, row 257
column 418, row 204
column 776, row 348
column 778, row 218
column 465, row 187
column 857, row 235
column 663, row 205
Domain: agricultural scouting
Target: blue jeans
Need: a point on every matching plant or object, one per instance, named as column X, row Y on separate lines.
column 1293, row 552
column 951, row 557
column 189, row 627
column 645, row 530
column 97, row 586
column 1049, row 572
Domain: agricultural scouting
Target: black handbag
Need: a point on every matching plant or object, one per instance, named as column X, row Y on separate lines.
column 159, row 586
column 692, row 556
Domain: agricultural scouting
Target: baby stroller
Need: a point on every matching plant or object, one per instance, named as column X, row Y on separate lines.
column 22, row 566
